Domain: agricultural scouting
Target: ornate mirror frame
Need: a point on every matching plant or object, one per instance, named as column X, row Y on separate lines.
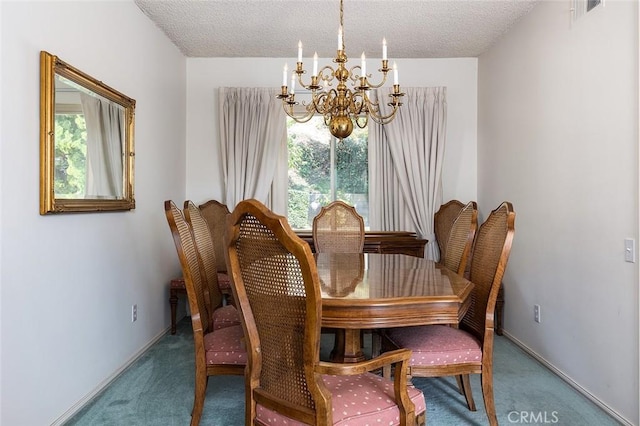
column 51, row 69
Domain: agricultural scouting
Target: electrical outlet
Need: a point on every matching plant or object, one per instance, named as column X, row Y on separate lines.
column 536, row 313
column 134, row 313
column 629, row 250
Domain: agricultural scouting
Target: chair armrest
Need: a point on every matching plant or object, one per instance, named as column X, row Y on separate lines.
column 398, row 356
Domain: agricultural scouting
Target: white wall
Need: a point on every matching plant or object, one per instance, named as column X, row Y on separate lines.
column 558, row 136
column 556, row 150
column 1, row 180
column 206, row 75
column 68, row 281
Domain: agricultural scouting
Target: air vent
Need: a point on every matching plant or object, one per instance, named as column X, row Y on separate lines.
column 579, row 8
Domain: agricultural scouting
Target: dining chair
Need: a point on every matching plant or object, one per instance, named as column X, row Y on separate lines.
column 275, row 284
column 459, row 238
column 455, row 239
column 454, row 250
column 338, row 228
column 441, row 350
column 221, row 315
column 215, row 214
column 443, row 221
column 217, row 352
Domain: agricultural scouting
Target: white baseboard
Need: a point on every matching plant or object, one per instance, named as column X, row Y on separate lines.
column 103, row 385
column 569, row 380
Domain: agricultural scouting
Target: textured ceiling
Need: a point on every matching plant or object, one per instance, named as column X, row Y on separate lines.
column 272, row 28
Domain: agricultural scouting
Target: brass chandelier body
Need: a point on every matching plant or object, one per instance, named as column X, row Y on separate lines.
column 340, row 106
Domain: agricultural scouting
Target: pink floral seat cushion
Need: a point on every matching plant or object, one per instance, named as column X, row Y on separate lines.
column 225, row 316
column 437, row 345
column 225, row 346
column 224, row 283
column 357, row 400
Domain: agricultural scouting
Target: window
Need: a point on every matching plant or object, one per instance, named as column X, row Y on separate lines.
column 323, row 169
column 70, row 153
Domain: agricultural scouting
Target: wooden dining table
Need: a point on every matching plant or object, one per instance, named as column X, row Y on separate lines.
column 362, row 291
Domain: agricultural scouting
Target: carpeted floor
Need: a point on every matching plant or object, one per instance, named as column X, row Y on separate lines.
column 158, row 390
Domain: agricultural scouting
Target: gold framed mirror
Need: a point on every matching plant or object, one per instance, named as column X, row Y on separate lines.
column 86, row 142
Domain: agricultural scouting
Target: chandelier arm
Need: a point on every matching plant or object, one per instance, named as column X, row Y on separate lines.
column 329, row 77
column 384, row 80
column 299, row 117
column 302, row 119
column 364, row 123
column 375, row 115
column 356, row 107
column 374, row 108
column 353, row 76
column 323, row 103
column 306, row 86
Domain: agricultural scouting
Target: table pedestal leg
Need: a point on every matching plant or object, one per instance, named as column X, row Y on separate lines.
column 347, row 346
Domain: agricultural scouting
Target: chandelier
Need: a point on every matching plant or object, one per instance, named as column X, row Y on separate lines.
column 341, row 106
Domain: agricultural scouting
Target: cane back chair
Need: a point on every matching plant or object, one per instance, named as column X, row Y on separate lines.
column 217, row 352
column 215, row 214
column 452, row 254
column 440, row 350
column 459, row 238
column 221, row 315
column 443, row 221
column 275, row 283
column 338, row 228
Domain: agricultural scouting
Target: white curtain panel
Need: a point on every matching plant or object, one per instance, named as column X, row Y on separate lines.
column 405, row 163
column 253, row 139
column 105, row 146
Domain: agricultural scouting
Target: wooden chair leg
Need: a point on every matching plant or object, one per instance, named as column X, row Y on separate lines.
column 338, row 343
column 376, row 343
column 460, row 386
column 198, row 399
column 173, row 303
column 487, row 394
column 468, row 394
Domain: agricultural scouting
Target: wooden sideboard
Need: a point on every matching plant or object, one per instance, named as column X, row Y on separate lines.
column 401, row 242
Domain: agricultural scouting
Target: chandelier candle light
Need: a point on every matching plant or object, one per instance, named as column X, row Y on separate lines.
column 340, row 106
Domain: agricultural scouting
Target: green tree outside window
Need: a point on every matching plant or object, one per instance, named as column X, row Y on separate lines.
column 323, row 169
